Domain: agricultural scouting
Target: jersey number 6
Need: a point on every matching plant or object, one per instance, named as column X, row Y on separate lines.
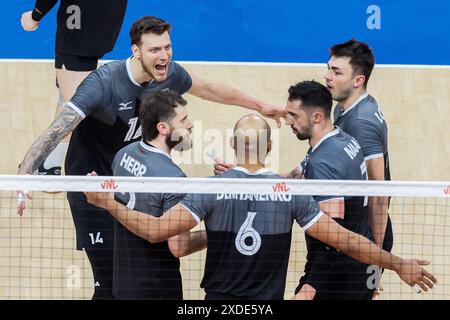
column 248, row 240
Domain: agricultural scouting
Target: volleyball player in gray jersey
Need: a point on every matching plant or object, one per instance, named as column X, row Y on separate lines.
column 333, row 155
column 144, row 270
column 357, row 113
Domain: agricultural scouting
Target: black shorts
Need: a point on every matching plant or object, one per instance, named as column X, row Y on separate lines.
column 95, row 234
column 335, row 276
column 76, row 63
column 94, row 226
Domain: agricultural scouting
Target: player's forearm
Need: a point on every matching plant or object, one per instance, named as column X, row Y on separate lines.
column 188, row 243
column 141, row 224
column 63, row 125
column 364, row 250
column 378, row 217
column 225, row 94
column 41, row 8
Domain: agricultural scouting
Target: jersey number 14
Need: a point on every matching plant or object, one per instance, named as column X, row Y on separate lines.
column 132, row 132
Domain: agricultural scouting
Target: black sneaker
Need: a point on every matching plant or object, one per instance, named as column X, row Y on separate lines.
column 55, row 171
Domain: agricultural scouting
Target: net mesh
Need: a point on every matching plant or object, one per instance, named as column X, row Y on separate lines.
column 39, row 260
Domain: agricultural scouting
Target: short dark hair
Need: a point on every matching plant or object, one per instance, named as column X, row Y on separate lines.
column 158, row 107
column 147, row 24
column 361, row 56
column 312, row 95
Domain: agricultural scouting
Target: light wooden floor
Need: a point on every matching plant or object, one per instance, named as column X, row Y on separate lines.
column 37, row 256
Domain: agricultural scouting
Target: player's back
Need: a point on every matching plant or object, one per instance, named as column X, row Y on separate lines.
column 249, row 238
column 143, row 270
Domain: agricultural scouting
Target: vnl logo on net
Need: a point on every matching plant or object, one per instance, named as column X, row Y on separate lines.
column 447, row 191
column 109, row 185
column 207, row 146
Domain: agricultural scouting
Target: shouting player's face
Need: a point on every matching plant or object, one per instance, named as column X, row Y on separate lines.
column 156, row 55
column 180, row 131
column 339, row 78
column 299, row 120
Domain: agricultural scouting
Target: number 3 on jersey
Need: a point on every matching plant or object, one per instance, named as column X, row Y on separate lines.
column 248, row 240
column 132, row 132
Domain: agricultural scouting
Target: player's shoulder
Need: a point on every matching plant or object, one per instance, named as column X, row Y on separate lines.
column 333, row 143
column 175, row 67
column 112, row 68
column 128, row 149
column 367, row 110
column 334, row 150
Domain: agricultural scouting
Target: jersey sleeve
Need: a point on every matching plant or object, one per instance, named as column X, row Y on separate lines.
column 306, row 211
column 89, row 96
column 368, row 136
column 42, row 7
column 326, row 170
column 183, row 79
column 171, row 199
column 199, row 205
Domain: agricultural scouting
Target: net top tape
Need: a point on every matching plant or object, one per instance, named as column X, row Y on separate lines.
column 233, row 186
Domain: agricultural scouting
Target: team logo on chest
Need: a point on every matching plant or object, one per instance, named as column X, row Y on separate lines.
column 125, row 106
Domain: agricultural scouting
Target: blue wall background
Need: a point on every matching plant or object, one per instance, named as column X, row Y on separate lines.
column 412, row 32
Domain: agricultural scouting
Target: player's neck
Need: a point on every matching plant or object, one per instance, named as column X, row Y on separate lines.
column 345, row 104
column 250, row 167
column 160, row 143
column 320, row 133
column 138, row 73
column 243, row 161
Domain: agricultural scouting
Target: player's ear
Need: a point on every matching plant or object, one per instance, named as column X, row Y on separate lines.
column 359, row 81
column 136, row 51
column 163, row 128
column 317, row 116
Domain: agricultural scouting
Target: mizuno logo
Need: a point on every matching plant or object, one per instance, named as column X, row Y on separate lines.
column 124, row 106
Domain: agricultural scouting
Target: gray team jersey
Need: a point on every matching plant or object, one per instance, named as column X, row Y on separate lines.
column 365, row 122
column 337, row 156
column 143, row 270
column 109, row 100
column 249, row 237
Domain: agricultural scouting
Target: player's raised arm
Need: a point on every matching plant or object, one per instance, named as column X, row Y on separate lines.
column 222, row 93
column 362, row 249
column 30, row 20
